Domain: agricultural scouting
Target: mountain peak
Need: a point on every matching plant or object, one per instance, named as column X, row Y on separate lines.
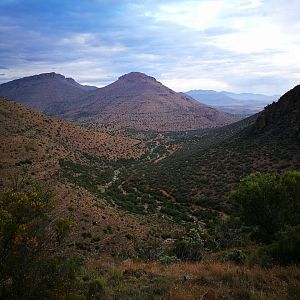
column 47, row 75
column 136, row 76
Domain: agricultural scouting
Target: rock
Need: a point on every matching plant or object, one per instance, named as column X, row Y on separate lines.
column 187, row 277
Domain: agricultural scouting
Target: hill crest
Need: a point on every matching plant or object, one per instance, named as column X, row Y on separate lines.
column 283, row 115
column 135, row 100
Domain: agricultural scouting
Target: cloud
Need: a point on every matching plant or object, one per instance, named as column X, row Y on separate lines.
column 189, row 14
column 240, row 45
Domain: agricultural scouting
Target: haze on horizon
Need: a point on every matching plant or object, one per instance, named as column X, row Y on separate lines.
column 235, row 45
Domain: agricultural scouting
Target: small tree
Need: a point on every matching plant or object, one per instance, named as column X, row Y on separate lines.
column 268, row 203
column 23, row 221
column 25, row 262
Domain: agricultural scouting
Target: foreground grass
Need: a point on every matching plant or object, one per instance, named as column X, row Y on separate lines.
column 107, row 279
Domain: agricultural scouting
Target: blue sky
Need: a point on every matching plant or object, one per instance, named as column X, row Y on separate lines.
column 235, row 45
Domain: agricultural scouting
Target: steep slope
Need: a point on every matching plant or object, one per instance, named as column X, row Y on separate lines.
column 244, row 103
column 35, row 145
column 201, row 176
column 282, row 116
column 37, row 134
column 138, row 101
column 49, row 93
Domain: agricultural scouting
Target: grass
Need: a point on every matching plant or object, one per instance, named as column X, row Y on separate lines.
column 152, row 280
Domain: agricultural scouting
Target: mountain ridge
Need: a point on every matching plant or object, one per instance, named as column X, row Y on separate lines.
column 236, row 103
column 135, row 100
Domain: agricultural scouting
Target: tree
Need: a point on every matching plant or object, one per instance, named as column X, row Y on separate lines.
column 268, row 203
column 24, row 239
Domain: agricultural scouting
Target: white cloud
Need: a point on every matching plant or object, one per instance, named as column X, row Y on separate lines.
column 251, row 4
column 195, row 15
column 91, row 44
column 238, row 45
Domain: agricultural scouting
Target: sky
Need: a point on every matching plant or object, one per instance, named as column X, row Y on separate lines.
column 233, row 45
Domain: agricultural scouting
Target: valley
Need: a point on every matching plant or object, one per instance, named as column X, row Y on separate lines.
column 152, row 212
column 149, row 150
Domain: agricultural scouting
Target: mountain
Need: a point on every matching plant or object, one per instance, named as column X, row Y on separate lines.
column 204, row 172
column 135, row 100
column 251, row 97
column 244, row 103
column 282, row 116
column 49, row 93
column 139, row 101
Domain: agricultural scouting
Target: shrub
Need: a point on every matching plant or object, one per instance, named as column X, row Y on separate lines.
column 96, row 288
column 236, row 256
column 268, row 203
column 27, row 271
column 63, row 227
column 286, row 249
column 167, row 260
column 294, row 292
column 190, row 248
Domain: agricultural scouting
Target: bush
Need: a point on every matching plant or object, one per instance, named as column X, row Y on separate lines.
column 236, row 256
column 63, row 227
column 286, row 249
column 27, row 270
column 167, row 260
column 190, row 248
column 268, row 203
column 96, row 288
column 294, row 292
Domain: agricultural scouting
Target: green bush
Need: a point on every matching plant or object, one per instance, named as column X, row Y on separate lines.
column 96, row 288
column 190, row 248
column 294, row 292
column 167, row 260
column 63, row 227
column 268, row 203
column 286, row 249
column 27, row 269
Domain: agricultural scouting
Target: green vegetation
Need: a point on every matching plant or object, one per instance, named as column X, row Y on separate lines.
column 28, row 269
column 87, row 176
column 63, row 227
column 268, row 203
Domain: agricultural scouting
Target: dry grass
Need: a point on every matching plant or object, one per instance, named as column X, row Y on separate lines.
column 190, row 280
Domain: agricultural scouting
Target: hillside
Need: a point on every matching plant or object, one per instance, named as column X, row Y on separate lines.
column 37, row 146
column 135, row 100
column 282, row 116
column 201, row 175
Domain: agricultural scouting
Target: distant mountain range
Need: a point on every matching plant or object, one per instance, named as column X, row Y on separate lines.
column 135, row 100
column 244, row 103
